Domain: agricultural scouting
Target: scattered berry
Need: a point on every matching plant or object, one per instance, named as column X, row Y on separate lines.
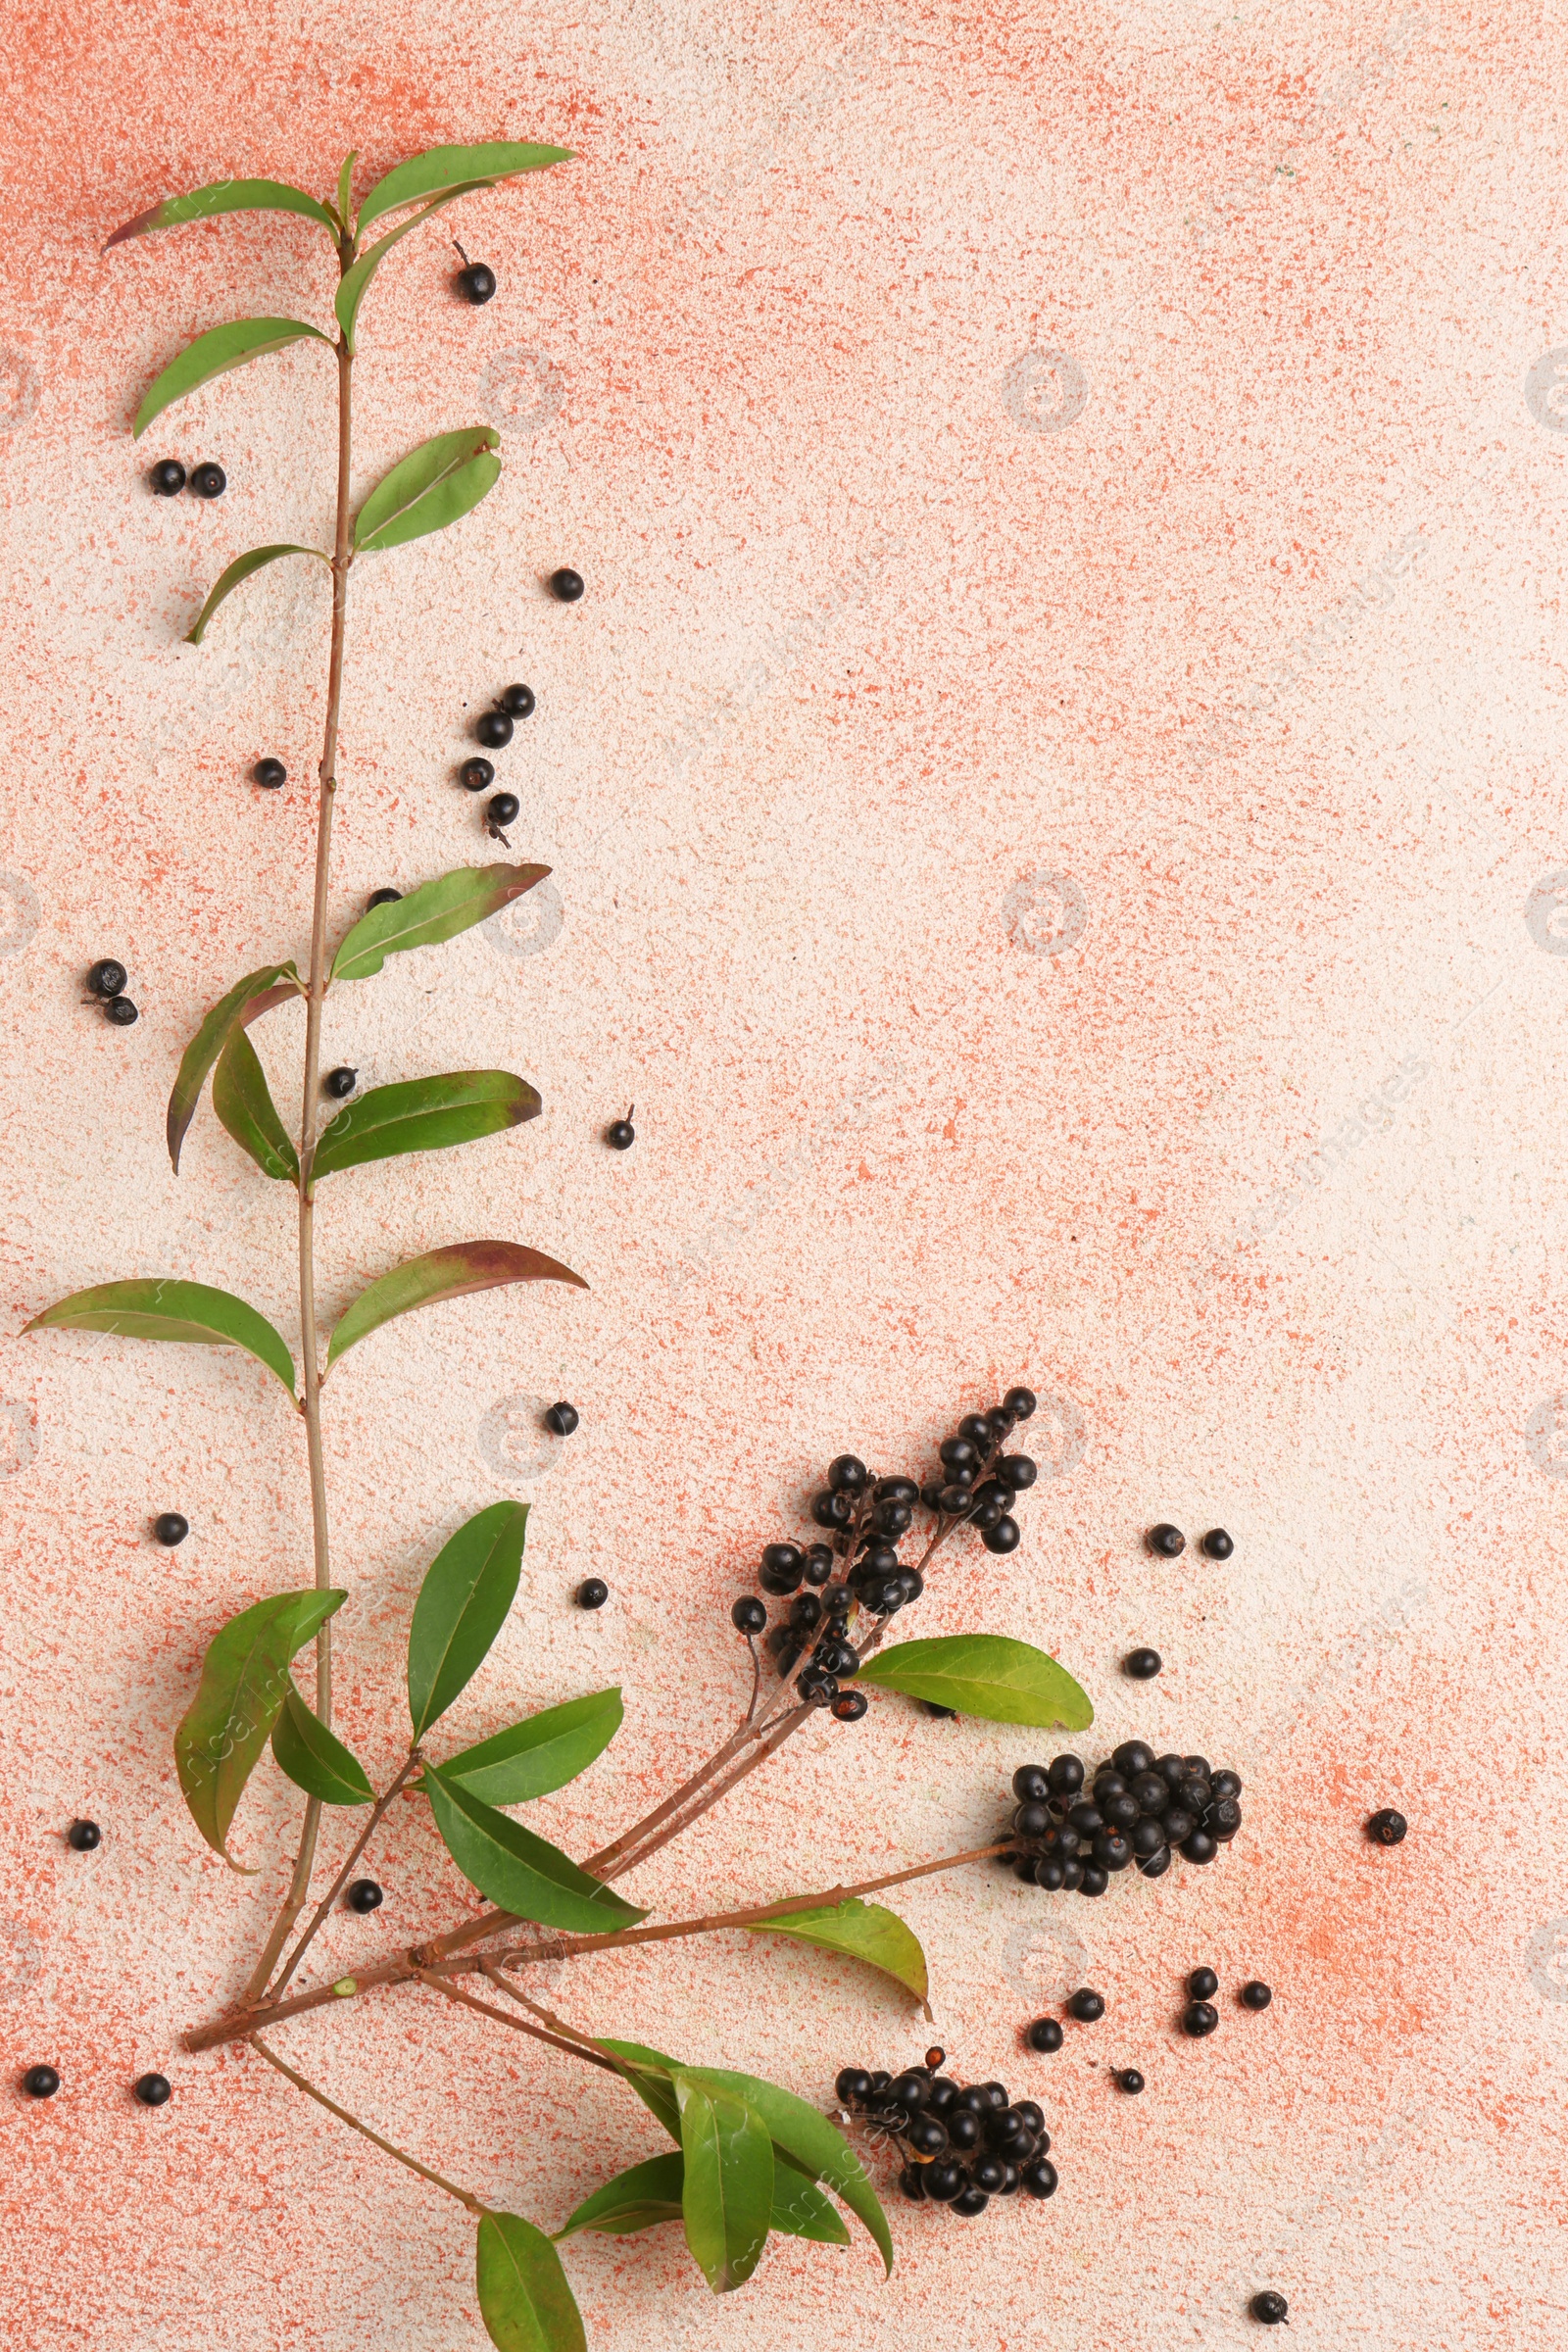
column 340, row 1082
column 108, row 978
column 382, row 897
column 1044, row 2036
column 747, row 1616
column 1198, row 2019
column 850, row 1706
column 269, row 774
column 565, row 585
column 1203, row 1984
column 209, row 480
column 1168, row 1542
column 119, row 1012
column 562, row 1418
column 1087, row 2007
column 621, row 1135
column 1216, row 1544
column 592, row 1592
column 494, row 729
column 1143, row 1664
column 517, row 700
column 500, row 809
column 1387, row 1826
column 84, row 1836
column 478, row 282
column 168, row 478
column 170, row 1528
column 1269, row 2308
column 1256, row 1994
column 153, row 2090
column 41, row 2081
column 476, row 775
column 1131, row 2080
column 363, row 1895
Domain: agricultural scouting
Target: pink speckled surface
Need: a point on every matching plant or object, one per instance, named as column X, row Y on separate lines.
column 1122, row 446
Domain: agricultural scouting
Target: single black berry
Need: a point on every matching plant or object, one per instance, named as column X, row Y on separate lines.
column 500, row 809
column 1121, row 1811
column 1170, row 1769
column 1131, row 1758
column 926, row 2136
column 747, row 1616
column 911, row 2181
column 955, row 1499
column 153, row 2090
column 830, row 1509
column 958, row 1453
column 1203, row 1984
column 1019, row 1404
column 84, row 1836
column 850, row 1706
column 561, row 1419
column 1269, row 2308
column 108, row 978
column 1142, row 1664
column 987, row 2174
column 209, row 480
column 1199, row 1846
column 478, row 282
column 1002, row 1539
column 565, row 585
column 1040, row 2178
column 1131, row 2080
column 853, row 2087
column 837, row 1657
column 971, row 2201
column 1031, row 1820
column 1387, row 1826
column 1199, row 2018
column 1085, row 1818
column 41, row 2081
column 1223, row 1819
column 1225, row 1783
column 976, row 1427
column 944, row 2180
column 963, row 2126
column 931, row 1706
column 1031, row 1783
column 1154, row 1865
column 1166, row 1540
column 805, row 1613
column 782, row 1569
column 592, row 1592
column 518, row 700
column 815, row 1686
column 363, row 1895
column 1216, row 1544
column 621, row 1135
column 269, row 774
column 119, row 1012
column 170, row 1528
column 476, row 775
column 1094, row 1881
column 818, row 1558
column 880, row 2078
column 494, row 729
column 1016, row 1472
column 908, row 2088
column 168, row 478
column 846, row 1474
column 382, row 897
column 1067, row 1775
column 1256, row 1994
column 1087, row 2006
column 340, row 1082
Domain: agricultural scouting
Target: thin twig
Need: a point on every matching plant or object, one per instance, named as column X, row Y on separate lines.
column 519, row 2025
column 415, row 1760
column 438, row 2180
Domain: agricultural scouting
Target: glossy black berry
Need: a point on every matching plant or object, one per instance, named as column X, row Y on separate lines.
column 911, row 2181
column 476, row 775
column 955, row 1499
column 782, row 1569
column 747, row 1616
column 382, row 897
column 850, row 1706
column 108, row 978
column 562, row 1418
column 1223, row 1819
column 269, row 774
column 340, row 1082
column 1120, row 1811
column 363, row 1895
column 1167, row 1542
column 1216, row 1544
column 853, row 2087
column 501, row 809
column 805, row 1613
column 987, row 2174
column 830, row 1509
column 1131, row 1758
column 1130, row 2080
column 120, row 1013
column 1142, row 1664
column 1019, row 1404
column 168, row 478
column 478, row 281
column 83, row 1836
column 1387, row 1826
column 976, row 1427
column 592, row 1592
column 971, row 2201
column 1094, row 1881
column 565, row 585
column 1225, row 1783
column 170, row 1528
column 621, row 1135
column 963, row 2127
column 958, row 1453
column 930, row 1706
column 1039, row 2178
column 818, row 1558
column 1067, row 1775
column 908, row 2088
column 1003, row 1538
column 41, row 2081
column 209, row 480
column 1031, row 1820
column 838, row 1658
column 1170, row 1769
column 519, row 700
column 1016, row 1472
column 1198, row 2019
column 1154, row 1865
column 1111, row 1850
column 1199, row 1848
column 943, row 2181
column 1085, row 1818
column 926, row 2136
column 1087, row 2007
column 1256, row 1994
column 1031, row 1783
column 1203, row 1984
column 846, row 1474
column 153, row 2090
column 1269, row 2308
column 494, row 729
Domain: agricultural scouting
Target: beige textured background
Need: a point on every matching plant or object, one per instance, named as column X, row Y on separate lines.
column 1056, row 791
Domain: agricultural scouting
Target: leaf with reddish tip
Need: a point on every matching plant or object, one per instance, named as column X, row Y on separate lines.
column 226, row 196
column 436, row 910
column 245, row 1002
column 160, row 1310
column 450, row 1273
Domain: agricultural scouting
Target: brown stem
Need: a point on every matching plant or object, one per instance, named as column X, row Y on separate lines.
column 463, row 2195
column 415, row 1760
column 519, row 2025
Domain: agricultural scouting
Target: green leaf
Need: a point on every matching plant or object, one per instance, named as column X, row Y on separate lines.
column 157, row 1310
column 865, row 1932
column 215, row 354
column 435, row 484
column 314, row 1759
column 245, row 1680
column 245, row 1107
column 451, row 1273
column 649, row 2073
column 226, row 196
column 728, row 2195
column 245, row 1001
column 240, row 570
column 467, row 1589
column 989, row 1675
column 524, row 2300
column 810, row 2142
column 799, row 2209
column 355, row 284
column 425, row 1114
column 640, row 2198
column 443, row 170
column 520, row 1873
column 541, row 1753
column 437, row 910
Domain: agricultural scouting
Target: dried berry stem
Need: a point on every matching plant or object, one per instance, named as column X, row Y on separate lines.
column 299, row 2081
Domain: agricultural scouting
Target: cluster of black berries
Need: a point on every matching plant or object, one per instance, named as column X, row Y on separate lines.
column 962, row 2145
column 495, row 729
column 106, row 983
column 976, row 1480
column 1140, row 1807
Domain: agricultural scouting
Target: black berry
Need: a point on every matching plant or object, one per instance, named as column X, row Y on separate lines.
column 988, row 2175
column 1256, row 1994
column 119, row 1012
column 209, row 480
column 846, row 1475
column 1031, row 1783
column 1387, row 1826
column 1039, row 2178
column 747, row 1616
column 1216, row 1544
column 850, row 1706
column 1067, row 1775
column 1087, row 2007
column 909, row 2090
column 1223, row 1819
column 269, row 774
column 782, row 1569
column 911, row 2181
column 963, row 2127
column 41, row 2081
column 1094, row 1881
column 818, row 1559
column 930, row 1706
column 476, row 775
column 1131, row 2080
column 971, row 2201
column 1199, row 1846
column 562, row 1418
column 1168, row 1542
column 1016, row 1472
column 1198, row 2019
column 976, row 1427
column 500, row 809
column 1203, row 1984
column 1019, row 1404
column 383, row 897
column 340, row 1082
column 170, row 1528
column 565, row 585
column 1003, row 1538
column 621, row 1135
column 1143, row 1664
column 365, row 1895
column 592, row 1592
column 168, row 478
column 815, row 1686
column 853, row 2087
column 1154, row 1865
column 838, row 1658
column 1269, row 2308
column 518, row 700
column 153, row 2090
column 493, row 729
column 108, row 978
column 84, row 1836
column 478, row 282
column 830, row 1509
column 943, row 2181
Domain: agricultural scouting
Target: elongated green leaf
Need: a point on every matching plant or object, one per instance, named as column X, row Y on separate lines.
column 727, row 2194
column 226, row 196
column 542, row 1752
column 524, row 2300
column 245, row 1680
column 355, row 284
column 810, row 2142
column 437, row 910
column 315, row 1758
column 639, row 2198
column 425, row 1114
column 239, row 571
column 450, row 1273
column 157, row 1310
column 521, row 1872
column 245, row 1106
column 865, row 1932
column 441, row 170
column 989, row 1675
column 246, row 999
column 467, row 1589
column 215, row 354
column 799, row 2209
column 435, row 484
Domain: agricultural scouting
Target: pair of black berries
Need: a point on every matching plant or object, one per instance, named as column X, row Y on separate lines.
column 1139, row 1808
column 169, row 478
column 1167, row 1543
column 42, row 2082
column 962, row 2143
column 107, row 983
column 495, row 729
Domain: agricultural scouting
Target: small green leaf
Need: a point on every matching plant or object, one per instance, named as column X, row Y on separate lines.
column 443, row 170
column 865, row 1932
column 640, row 2198
column 425, row 1114
column 437, row 910
column 256, row 994
column 355, row 284
column 215, row 354
column 244, row 1105
column 519, row 1872
column 226, row 196
column 455, row 1272
column 467, row 1589
column 727, row 2194
column 524, row 2300
column 541, row 1753
column 314, row 1759
column 435, row 484
column 811, row 2142
column 239, row 571
column 989, row 1675
column 245, row 1680
column 172, row 1310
